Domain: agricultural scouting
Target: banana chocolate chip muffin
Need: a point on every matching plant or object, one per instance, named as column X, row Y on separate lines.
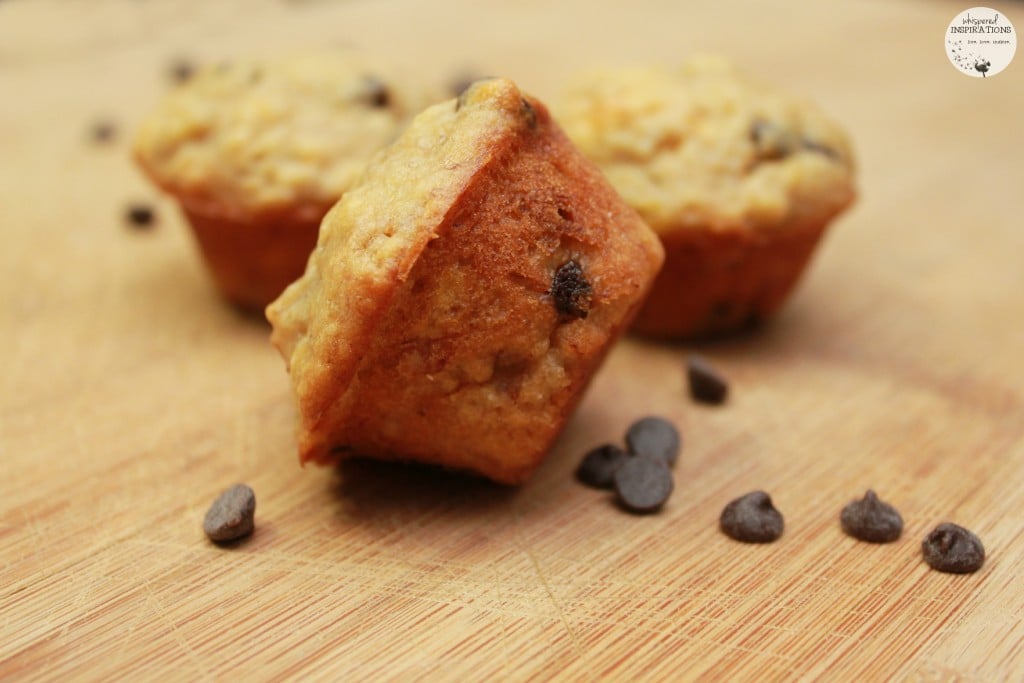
column 257, row 153
column 738, row 180
column 462, row 294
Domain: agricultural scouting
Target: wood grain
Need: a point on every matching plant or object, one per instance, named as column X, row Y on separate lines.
column 132, row 396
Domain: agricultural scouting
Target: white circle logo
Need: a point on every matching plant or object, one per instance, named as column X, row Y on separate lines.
column 980, row 42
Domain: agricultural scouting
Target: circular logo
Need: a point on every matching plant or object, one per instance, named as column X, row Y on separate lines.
column 980, row 42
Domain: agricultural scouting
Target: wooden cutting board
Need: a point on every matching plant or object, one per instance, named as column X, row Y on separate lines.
column 131, row 396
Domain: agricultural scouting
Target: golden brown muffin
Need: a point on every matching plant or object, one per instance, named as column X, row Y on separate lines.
column 462, row 293
column 257, row 153
column 739, row 182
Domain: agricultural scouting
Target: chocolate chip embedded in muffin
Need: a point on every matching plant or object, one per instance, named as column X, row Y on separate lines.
column 570, row 291
column 529, row 114
column 772, row 142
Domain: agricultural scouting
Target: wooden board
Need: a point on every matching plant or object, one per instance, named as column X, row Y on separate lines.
column 131, row 396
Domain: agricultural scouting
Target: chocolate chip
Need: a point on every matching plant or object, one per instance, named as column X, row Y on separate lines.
column 706, row 384
column 598, row 467
column 571, row 291
column 654, row 437
column 819, row 148
column 231, row 515
column 529, row 113
column 181, row 70
column 953, row 549
column 752, row 519
column 466, row 85
column 461, row 83
column 103, row 131
column 872, row 520
column 140, row 216
column 377, row 93
column 771, row 141
column 642, row 483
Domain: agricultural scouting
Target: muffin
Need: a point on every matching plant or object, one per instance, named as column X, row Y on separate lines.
column 257, row 153
column 739, row 182
column 462, row 294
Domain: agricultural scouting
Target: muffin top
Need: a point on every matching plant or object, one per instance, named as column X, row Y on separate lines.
column 248, row 138
column 700, row 146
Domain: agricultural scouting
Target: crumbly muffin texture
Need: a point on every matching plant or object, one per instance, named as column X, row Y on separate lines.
column 701, row 147
column 463, row 293
column 252, row 139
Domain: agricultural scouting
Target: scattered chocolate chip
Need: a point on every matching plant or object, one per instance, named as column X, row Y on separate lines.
column 872, row 520
column 103, row 131
column 643, row 483
column 706, row 384
column 181, row 70
column 752, row 519
column 377, row 93
column 231, row 515
column 571, row 291
column 953, row 549
column 598, row 467
column 771, row 141
column 565, row 214
column 140, row 215
column 529, row 114
column 654, row 437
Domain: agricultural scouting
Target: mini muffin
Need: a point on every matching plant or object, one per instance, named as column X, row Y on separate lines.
column 738, row 180
column 462, row 294
column 257, row 153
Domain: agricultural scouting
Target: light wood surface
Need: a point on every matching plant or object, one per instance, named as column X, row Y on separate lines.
column 131, row 396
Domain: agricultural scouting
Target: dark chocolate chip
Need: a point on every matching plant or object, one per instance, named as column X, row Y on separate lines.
column 598, row 467
column 771, row 141
column 140, row 216
column 953, row 549
column 752, row 519
column 654, row 437
column 460, row 84
column 872, row 520
column 377, row 93
column 103, row 131
column 819, row 148
column 643, row 484
column 181, row 70
column 231, row 515
column 570, row 291
column 529, row 113
column 706, row 384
